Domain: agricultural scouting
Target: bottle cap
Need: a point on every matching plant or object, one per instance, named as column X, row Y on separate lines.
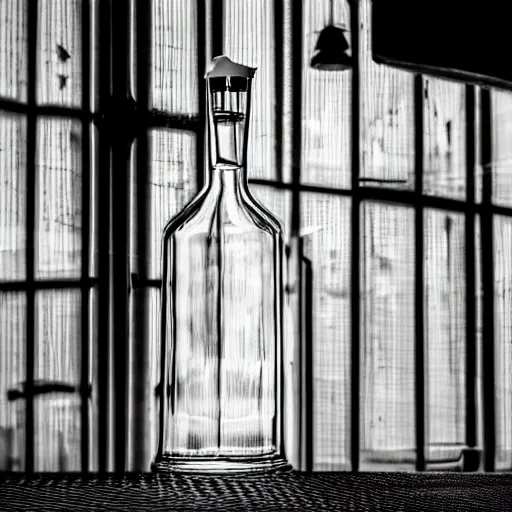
column 225, row 67
column 226, row 75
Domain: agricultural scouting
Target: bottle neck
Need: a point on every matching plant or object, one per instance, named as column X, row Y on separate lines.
column 227, row 181
column 228, row 122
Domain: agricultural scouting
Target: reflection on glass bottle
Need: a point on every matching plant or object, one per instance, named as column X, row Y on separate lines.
column 222, row 308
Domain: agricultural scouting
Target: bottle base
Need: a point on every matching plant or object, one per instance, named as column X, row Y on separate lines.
column 218, row 465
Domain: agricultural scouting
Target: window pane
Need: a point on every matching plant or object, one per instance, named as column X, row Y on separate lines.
column 479, row 333
column 58, row 346
column 13, row 50
column 249, row 39
column 326, row 104
column 501, row 106
column 93, row 379
column 13, row 140
column 57, row 432
column 387, row 118
column 172, row 183
column 444, row 138
column 59, row 198
column 445, row 332
column 387, row 356
column 327, row 244
column 503, row 339
column 92, row 201
column 174, row 73
column 59, row 52
column 12, row 375
column 478, row 138
column 58, row 337
column 153, row 336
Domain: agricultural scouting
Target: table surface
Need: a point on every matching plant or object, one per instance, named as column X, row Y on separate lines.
column 292, row 491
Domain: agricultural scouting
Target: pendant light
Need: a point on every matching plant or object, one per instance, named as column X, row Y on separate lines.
column 331, row 47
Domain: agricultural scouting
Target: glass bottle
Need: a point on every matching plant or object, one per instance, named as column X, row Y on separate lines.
column 222, row 299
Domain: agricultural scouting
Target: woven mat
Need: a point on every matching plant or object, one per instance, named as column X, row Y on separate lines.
column 293, row 491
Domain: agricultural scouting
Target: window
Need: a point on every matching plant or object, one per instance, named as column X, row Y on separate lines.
column 394, row 189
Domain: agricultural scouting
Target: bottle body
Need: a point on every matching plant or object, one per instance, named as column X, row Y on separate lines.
column 222, row 330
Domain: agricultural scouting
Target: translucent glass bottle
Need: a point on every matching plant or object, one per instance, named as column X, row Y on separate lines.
column 222, row 308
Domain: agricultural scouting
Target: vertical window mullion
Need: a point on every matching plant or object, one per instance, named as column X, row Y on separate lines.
column 296, row 151
column 86, row 210
column 30, row 254
column 355, row 284
column 419, row 277
column 279, row 72
column 471, row 412
column 122, row 128
column 104, row 185
column 201, row 66
column 487, row 259
column 139, row 437
column 217, row 33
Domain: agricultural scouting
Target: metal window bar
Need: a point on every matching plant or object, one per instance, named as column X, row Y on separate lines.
column 104, row 202
column 418, row 291
column 86, row 211
column 30, row 248
column 357, row 197
column 406, row 197
column 138, row 355
column 296, row 28
column 45, row 110
column 217, row 35
column 45, row 284
column 296, row 244
column 470, row 262
column 201, row 159
column 279, row 72
column 121, row 133
column 487, row 259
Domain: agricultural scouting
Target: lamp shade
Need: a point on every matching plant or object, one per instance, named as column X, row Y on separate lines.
column 330, row 50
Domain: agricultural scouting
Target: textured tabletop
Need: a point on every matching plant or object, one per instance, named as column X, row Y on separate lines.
column 292, row 491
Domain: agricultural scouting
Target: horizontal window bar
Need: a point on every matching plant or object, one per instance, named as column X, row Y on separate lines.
column 496, row 210
column 150, row 118
column 139, row 282
column 10, row 286
column 44, row 110
column 301, row 187
column 43, row 387
column 395, row 196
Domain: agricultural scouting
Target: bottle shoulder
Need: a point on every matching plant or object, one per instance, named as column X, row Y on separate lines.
column 184, row 215
column 265, row 214
column 204, row 214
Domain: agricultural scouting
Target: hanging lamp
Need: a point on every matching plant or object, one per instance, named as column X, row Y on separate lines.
column 331, row 48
